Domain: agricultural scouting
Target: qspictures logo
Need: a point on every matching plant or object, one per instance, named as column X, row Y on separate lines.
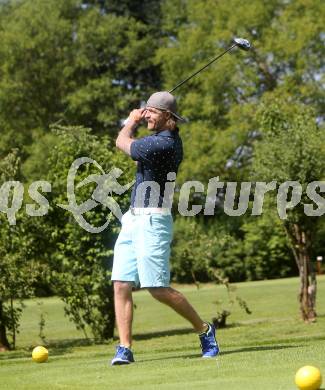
column 234, row 197
column 107, row 185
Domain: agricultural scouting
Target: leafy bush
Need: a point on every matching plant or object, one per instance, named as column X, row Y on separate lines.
column 256, row 249
column 80, row 260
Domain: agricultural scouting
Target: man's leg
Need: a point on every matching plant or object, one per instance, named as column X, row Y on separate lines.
column 153, row 248
column 124, row 311
column 180, row 304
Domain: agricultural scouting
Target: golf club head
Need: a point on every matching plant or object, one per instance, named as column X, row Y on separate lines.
column 242, row 43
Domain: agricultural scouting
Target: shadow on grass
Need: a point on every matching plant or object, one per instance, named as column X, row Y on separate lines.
column 185, row 357
column 14, row 354
column 57, row 347
column 259, row 348
column 164, row 333
column 240, row 350
column 61, row 347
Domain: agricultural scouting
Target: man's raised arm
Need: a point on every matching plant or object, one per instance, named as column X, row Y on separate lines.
column 125, row 137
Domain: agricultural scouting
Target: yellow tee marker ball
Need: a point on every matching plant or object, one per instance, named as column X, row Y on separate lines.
column 308, row 378
column 40, row 354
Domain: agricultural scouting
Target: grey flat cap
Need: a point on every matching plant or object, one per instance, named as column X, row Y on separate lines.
column 164, row 101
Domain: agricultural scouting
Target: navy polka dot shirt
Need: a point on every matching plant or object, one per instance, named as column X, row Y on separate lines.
column 157, row 155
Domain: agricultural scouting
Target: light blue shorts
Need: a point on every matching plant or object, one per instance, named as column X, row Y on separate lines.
column 142, row 250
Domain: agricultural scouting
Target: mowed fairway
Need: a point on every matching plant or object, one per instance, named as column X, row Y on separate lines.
column 259, row 351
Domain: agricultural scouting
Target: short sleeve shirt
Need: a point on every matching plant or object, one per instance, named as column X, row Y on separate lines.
column 157, row 156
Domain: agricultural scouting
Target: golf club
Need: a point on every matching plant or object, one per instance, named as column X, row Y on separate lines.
column 239, row 42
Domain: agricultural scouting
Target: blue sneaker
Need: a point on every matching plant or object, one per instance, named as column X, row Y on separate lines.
column 209, row 343
column 123, row 355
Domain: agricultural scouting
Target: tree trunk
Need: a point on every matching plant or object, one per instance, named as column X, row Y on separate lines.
column 308, row 286
column 13, row 344
column 4, row 343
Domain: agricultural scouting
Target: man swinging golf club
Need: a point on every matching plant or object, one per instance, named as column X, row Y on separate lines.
column 141, row 254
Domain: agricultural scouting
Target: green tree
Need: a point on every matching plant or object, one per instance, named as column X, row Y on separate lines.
column 293, row 148
column 63, row 61
column 221, row 102
column 267, row 254
column 147, row 11
column 19, row 263
column 81, row 260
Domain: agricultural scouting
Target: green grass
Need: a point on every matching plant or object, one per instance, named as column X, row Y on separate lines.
column 259, row 351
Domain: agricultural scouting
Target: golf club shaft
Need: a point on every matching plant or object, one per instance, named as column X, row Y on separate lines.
column 205, row 66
